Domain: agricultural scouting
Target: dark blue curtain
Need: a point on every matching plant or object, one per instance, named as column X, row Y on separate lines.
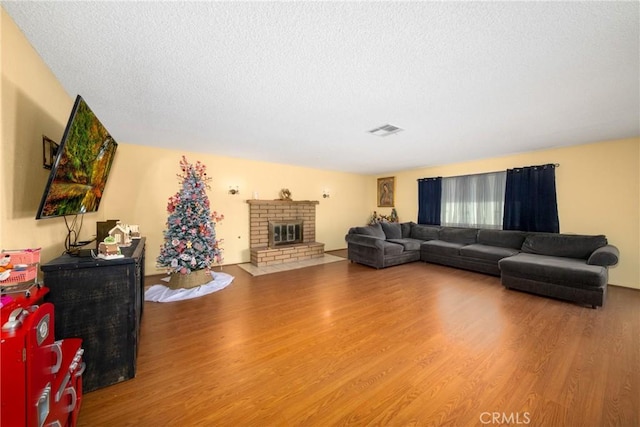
column 530, row 202
column 429, row 200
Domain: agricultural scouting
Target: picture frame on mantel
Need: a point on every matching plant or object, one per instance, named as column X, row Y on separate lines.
column 386, row 192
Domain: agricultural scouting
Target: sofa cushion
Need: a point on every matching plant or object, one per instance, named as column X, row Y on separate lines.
column 371, row 230
column 502, row 238
column 392, row 230
column 465, row 236
column 406, row 229
column 425, row 232
column 563, row 245
column 569, row 272
column 490, row 253
column 408, row 244
column 392, row 248
column 440, row 247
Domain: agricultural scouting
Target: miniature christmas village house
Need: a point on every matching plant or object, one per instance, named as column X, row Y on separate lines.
column 122, row 233
column 108, row 248
column 134, row 231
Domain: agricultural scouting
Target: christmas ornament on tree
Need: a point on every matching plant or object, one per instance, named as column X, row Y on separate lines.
column 190, row 247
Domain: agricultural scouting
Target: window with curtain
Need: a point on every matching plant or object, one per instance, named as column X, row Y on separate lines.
column 475, row 201
column 530, row 201
column 429, row 200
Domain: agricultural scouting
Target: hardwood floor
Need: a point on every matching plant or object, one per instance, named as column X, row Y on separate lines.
column 345, row 344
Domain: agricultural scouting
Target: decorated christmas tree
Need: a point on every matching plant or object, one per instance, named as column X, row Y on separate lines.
column 190, row 247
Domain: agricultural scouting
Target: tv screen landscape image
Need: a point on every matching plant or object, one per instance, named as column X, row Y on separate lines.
column 81, row 166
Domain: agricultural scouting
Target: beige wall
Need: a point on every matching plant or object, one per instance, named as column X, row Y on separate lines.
column 598, row 189
column 142, row 178
column 598, row 184
column 33, row 103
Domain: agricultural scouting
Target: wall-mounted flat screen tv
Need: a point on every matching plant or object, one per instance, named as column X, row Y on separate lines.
column 81, row 166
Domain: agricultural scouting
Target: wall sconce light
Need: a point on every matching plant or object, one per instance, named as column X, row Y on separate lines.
column 325, row 194
column 234, row 191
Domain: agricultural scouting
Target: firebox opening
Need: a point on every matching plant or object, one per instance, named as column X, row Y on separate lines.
column 285, row 233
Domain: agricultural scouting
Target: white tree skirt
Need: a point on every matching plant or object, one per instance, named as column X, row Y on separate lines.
column 162, row 293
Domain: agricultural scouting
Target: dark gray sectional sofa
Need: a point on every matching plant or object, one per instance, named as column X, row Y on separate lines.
column 570, row 267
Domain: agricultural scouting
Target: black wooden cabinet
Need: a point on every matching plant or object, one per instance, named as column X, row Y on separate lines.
column 101, row 302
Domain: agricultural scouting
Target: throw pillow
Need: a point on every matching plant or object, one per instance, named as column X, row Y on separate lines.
column 392, row 230
column 371, row 230
column 406, row 229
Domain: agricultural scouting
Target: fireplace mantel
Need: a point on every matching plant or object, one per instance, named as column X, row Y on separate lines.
column 280, row 201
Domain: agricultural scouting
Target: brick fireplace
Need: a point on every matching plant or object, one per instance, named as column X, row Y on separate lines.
column 292, row 220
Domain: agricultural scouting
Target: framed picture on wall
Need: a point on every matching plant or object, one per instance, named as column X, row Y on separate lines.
column 386, row 190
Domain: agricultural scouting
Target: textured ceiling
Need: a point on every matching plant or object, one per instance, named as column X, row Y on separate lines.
column 302, row 82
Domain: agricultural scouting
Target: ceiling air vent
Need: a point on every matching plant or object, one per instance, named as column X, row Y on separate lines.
column 385, row 130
